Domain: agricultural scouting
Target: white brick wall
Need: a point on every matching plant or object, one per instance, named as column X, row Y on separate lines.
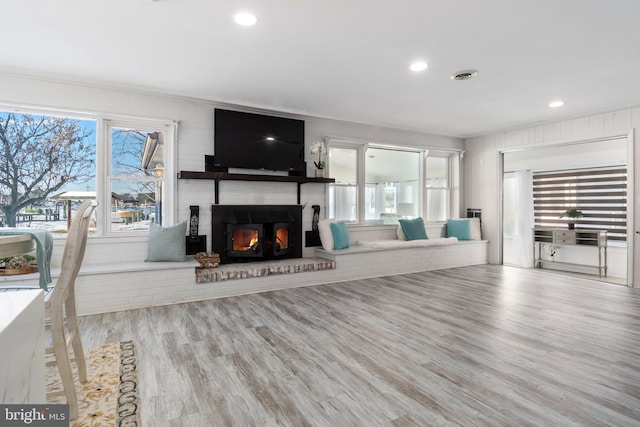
column 105, row 292
column 116, row 291
column 195, row 137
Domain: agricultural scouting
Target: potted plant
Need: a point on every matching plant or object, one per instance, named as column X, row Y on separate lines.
column 21, row 264
column 319, row 149
column 572, row 214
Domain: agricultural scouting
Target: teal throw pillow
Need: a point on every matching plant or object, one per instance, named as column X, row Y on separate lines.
column 340, row 235
column 459, row 228
column 413, row 229
column 167, row 243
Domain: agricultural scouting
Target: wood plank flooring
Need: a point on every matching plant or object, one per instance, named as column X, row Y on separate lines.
column 483, row 345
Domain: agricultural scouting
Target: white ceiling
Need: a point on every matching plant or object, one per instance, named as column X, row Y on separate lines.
column 347, row 59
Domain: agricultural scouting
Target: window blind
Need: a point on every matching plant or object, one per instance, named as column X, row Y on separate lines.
column 601, row 195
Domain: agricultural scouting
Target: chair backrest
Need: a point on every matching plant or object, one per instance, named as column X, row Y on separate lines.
column 73, row 254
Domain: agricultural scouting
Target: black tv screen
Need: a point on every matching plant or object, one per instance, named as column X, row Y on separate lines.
column 256, row 141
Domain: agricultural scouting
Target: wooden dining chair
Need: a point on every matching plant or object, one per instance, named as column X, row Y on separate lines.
column 61, row 306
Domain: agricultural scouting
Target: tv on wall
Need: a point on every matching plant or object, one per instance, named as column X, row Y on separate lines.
column 257, row 141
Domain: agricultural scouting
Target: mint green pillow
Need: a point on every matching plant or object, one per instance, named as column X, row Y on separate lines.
column 413, row 229
column 459, row 228
column 340, row 235
column 167, row 243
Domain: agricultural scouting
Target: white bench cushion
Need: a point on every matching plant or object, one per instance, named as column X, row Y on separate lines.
column 398, row 244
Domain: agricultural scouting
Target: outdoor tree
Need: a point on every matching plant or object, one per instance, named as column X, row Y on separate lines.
column 39, row 155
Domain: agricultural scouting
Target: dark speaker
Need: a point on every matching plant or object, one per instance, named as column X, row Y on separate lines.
column 196, row 244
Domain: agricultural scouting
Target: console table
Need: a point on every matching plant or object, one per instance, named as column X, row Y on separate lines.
column 580, row 237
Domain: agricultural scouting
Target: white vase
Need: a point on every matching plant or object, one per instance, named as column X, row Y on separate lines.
column 319, row 173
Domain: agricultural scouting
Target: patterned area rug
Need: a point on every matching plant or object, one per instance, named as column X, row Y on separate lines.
column 109, row 397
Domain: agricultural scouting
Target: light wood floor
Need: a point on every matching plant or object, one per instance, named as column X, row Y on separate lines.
column 485, row 345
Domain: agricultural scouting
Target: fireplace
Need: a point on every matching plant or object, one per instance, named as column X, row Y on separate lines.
column 244, row 233
column 245, row 240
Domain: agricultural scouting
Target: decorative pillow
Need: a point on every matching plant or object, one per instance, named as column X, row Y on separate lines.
column 474, row 226
column 414, row 229
column 400, row 233
column 167, row 243
column 459, row 228
column 326, row 236
column 340, row 235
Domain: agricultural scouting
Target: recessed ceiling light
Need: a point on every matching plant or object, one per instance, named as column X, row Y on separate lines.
column 556, row 104
column 246, row 19
column 464, row 75
column 418, row 66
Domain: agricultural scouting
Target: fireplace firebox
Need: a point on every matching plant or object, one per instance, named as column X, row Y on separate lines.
column 245, row 240
column 244, row 233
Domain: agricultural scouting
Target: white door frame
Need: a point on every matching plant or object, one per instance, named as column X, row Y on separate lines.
column 633, row 210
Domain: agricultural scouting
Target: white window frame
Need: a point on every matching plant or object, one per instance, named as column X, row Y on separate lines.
column 453, row 181
column 453, row 174
column 360, row 148
column 104, row 123
column 104, row 170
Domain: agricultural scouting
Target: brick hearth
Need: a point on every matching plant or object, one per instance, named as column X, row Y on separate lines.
column 262, row 269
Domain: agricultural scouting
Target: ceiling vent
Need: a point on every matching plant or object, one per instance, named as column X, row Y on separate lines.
column 464, row 75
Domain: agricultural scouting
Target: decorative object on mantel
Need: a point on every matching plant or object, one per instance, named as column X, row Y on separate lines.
column 194, row 242
column 208, row 259
column 316, row 217
column 194, row 221
column 22, row 264
column 572, row 214
column 319, row 148
column 312, row 238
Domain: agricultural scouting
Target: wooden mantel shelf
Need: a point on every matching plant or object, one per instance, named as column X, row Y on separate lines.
column 224, row 176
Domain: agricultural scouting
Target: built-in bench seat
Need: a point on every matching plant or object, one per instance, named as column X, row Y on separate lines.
column 105, row 268
column 403, row 244
column 133, row 284
column 113, row 286
column 134, row 266
column 388, row 257
column 115, row 277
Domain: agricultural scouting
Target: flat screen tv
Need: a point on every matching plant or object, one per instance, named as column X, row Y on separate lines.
column 256, row 141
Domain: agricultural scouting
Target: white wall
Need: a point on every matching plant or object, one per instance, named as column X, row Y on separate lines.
column 195, row 137
column 482, row 159
column 611, row 152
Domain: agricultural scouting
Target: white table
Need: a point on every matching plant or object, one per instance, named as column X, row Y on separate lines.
column 41, row 239
column 22, row 360
column 16, row 245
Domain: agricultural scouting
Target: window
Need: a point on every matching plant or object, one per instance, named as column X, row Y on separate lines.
column 437, row 188
column 382, row 184
column 343, row 195
column 392, row 182
column 136, row 177
column 600, row 193
column 50, row 163
column 48, row 166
